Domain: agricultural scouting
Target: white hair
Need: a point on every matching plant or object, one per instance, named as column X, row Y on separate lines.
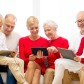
column 51, row 24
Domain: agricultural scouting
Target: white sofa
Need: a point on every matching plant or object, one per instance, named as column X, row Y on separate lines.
column 73, row 82
column 41, row 79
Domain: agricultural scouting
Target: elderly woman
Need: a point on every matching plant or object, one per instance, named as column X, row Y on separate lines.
column 33, row 63
column 50, row 29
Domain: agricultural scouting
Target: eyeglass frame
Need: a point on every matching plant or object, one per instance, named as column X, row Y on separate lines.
column 79, row 21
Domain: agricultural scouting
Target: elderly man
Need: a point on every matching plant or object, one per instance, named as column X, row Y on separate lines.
column 73, row 68
column 74, row 45
column 16, row 65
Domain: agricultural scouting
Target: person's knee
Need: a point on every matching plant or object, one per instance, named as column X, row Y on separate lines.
column 21, row 61
column 31, row 64
column 57, row 61
column 66, row 73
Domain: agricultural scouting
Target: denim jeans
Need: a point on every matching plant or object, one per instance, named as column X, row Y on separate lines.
column 10, row 78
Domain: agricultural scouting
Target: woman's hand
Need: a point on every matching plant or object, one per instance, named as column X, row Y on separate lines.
column 52, row 49
column 39, row 54
column 32, row 57
column 77, row 58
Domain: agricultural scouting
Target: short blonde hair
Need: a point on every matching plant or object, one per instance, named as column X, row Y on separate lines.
column 31, row 20
column 1, row 19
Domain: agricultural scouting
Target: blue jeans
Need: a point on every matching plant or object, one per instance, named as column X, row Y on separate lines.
column 10, row 78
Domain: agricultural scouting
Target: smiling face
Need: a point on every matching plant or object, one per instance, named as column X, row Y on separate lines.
column 49, row 31
column 33, row 26
column 9, row 24
column 34, row 29
column 80, row 21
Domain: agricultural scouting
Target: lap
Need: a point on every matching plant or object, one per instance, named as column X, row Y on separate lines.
column 69, row 64
column 10, row 60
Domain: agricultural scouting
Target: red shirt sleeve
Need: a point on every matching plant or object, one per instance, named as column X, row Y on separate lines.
column 81, row 47
column 21, row 52
column 82, row 60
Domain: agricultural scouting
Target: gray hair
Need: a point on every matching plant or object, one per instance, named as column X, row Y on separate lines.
column 51, row 24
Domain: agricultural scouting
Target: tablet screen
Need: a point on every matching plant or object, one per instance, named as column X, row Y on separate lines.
column 35, row 49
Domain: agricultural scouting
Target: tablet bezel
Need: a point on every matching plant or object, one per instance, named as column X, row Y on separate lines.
column 35, row 49
column 66, row 53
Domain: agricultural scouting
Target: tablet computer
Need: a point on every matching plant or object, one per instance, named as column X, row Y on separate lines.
column 35, row 49
column 66, row 53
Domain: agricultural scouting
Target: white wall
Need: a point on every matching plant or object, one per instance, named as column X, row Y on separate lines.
column 22, row 9
column 63, row 12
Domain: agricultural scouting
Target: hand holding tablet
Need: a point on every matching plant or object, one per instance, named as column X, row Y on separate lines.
column 36, row 49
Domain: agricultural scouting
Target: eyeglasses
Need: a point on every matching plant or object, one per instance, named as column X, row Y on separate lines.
column 79, row 21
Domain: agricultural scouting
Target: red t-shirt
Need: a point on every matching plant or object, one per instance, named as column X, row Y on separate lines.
column 25, row 44
column 59, row 42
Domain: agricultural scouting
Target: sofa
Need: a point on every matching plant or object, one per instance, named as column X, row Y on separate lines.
column 41, row 79
column 73, row 82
